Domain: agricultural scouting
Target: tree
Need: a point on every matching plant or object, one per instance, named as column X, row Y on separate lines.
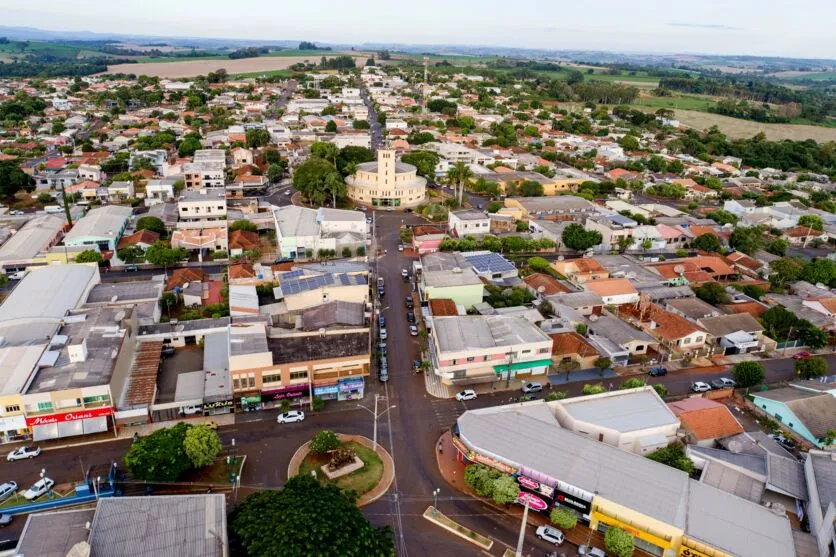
column 459, row 175
column 629, row 143
column 811, row 221
column 44, row 198
column 777, row 323
column 783, row 271
column 13, row 179
column 723, row 217
column 754, row 291
column 602, row 364
column 590, row 389
column 778, row 247
column 748, row 374
column 130, row 253
column 331, row 126
column 820, row 270
column 243, row 224
column 275, row 173
column 810, row 368
column 618, row 542
column 747, row 239
column 302, row 519
column 257, row 137
column 425, row 162
column 576, row 237
column 556, row 395
column 707, row 242
column 481, row 478
column 89, row 256
column 633, row 383
column 563, row 518
column 539, row 264
column 712, row 293
column 324, row 441
column 505, row 490
column 673, row 456
column 160, row 456
column 811, row 336
column 315, row 179
column 202, row 445
column 151, row 223
column 360, row 124
column 829, row 437
column 188, row 146
column 161, row 255
column 661, row 390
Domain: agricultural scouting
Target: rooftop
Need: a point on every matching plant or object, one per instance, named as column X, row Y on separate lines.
column 706, row 420
column 32, row 238
column 53, row 534
column 817, row 411
column 101, row 222
column 622, row 411
column 727, row 324
column 823, row 478
column 122, row 292
column 474, row 332
column 312, row 347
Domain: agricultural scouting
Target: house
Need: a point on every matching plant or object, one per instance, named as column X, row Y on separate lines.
column 628, row 340
column 305, row 288
column 680, row 336
column 101, row 228
column 738, row 333
column 466, row 350
column 246, row 185
column 303, row 233
column 241, row 241
column 585, row 302
column 542, row 285
column 241, row 156
column 202, row 205
column 580, row 270
column 823, row 305
column 705, row 420
column 802, row 235
column 468, row 222
column 634, row 420
column 568, row 206
column 740, row 207
column 200, row 239
column 450, row 276
column 243, row 300
column 615, row 230
column 820, row 474
column 120, row 191
column 692, row 308
column 490, row 265
column 205, row 174
column 614, row 292
column 142, row 238
column 502, row 224
column 807, row 413
column 183, row 275
column 572, row 347
column 426, row 239
column 696, row 270
column 159, row 191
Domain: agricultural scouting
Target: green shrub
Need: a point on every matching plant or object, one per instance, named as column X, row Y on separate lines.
column 563, row 518
column 324, row 441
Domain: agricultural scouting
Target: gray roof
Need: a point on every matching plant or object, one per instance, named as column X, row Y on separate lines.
column 557, row 203
column 447, row 269
column 787, row 474
column 753, row 442
column 312, row 347
column 123, row 292
column 823, row 478
column 575, row 300
column 623, row 411
column 36, row 296
column 32, row 238
column 657, row 293
column 101, row 222
column 733, row 480
column 727, row 324
column 694, row 308
column 465, row 332
column 817, row 411
column 336, row 312
column 216, row 351
column 293, row 221
column 53, row 534
column 618, row 331
column 182, row 525
column 470, row 214
column 333, row 215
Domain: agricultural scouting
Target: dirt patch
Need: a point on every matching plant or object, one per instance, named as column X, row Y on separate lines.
column 192, row 68
column 736, row 128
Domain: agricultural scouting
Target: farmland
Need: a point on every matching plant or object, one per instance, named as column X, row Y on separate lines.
column 191, row 68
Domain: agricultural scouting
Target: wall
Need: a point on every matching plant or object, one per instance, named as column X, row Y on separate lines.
column 821, row 526
column 788, row 418
column 356, row 293
column 641, row 526
column 467, row 295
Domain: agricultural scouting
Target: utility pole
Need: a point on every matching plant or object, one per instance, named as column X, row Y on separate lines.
column 522, row 529
column 425, row 86
column 376, row 415
column 508, row 373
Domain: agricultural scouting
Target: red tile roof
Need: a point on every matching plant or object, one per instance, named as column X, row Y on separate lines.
column 443, row 307
column 243, row 239
column 568, row 344
column 549, row 284
column 711, row 420
column 146, row 237
column 181, row 276
column 241, row 271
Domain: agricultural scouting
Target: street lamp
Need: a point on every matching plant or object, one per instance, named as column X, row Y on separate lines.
column 435, row 501
column 376, row 416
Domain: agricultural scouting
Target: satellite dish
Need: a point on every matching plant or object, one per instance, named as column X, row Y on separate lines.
column 541, row 289
column 593, row 318
column 735, row 446
column 560, row 258
column 679, row 269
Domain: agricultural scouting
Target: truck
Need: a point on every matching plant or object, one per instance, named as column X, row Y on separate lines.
column 53, row 209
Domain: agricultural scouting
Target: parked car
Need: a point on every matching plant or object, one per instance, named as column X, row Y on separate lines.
column 404, row 273
column 799, row 356
column 381, row 321
column 400, row 247
column 383, row 334
column 526, row 398
column 17, row 275
column 290, row 417
column 533, row 387
column 382, row 348
column 380, row 291
column 468, row 394
column 17, row 213
column 384, row 375
column 658, row 371
column 783, row 442
column 191, row 410
column 167, row 351
column 723, row 383
column 410, row 316
column 7, row 490
column 413, row 330
column 409, row 303
column 5, row 520
column 23, row 452
column 416, row 366
column 131, row 268
column 700, row 387
column 38, row 488
column 550, row 534
column 591, row 551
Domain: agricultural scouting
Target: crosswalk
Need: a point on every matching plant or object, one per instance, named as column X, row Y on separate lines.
column 434, row 386
column 447, row 411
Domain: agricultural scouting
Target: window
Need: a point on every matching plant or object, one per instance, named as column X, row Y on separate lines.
column 699, row 339
column 639, row 347
column 526, row 351
column 12, row 408
column 236, row 383
column 42, row 406
column 273, row 378
column 251, row 381
column 471, row 359
column 294, row 375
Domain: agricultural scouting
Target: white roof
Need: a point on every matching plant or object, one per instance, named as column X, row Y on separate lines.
column 623, row 411
column 34, row 237
column 103, row 222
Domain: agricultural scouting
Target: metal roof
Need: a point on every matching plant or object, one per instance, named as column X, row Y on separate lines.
column 312, row 282
column 489, row 262
column 32, row 238
column 53, row 534
column 624, row 411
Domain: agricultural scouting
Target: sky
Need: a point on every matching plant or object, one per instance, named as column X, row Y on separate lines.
column 799, row 28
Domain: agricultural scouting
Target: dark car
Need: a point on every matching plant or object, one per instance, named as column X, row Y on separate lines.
column 416, row 366
column 381, row 321
column 409, row 303
column 131, row 268
column 380, row 291
column 658, row 371
column 167, row 351
column 410, row 316
column 5, row 520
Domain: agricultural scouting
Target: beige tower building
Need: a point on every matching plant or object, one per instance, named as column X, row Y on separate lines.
column 386, row 183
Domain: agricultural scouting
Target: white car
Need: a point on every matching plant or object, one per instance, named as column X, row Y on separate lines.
column 400, row 247
column 23, row 452
column 38, row 488
column 18, row 275
column 191, row 410
column 700, row 387
column 413, row 330
column 383, row 334
column 549, row 534
column 533, row 387
column 7, row 490
column 291, row 417
column 468, row 394
column 404, row 273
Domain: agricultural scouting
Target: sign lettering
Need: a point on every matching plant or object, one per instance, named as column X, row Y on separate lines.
column 69, row 416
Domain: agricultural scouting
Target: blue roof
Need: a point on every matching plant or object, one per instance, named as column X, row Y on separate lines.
column 292, row 285
column 489, row 263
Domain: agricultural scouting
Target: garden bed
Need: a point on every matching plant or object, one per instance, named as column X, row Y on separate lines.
column 457, row 529
column 216, row 474
column 360, row 481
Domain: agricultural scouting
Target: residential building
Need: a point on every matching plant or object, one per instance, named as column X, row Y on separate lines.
column 666, row 512
column 614, row 292
column 580, row 270
column 202, row 175
column 631, row 340
column 202, row 205
column 301, row 232
column 615, row 230
column 807, row 413
column 387, row 183
column 634, row 420
column 820, row 473
column 542, row 285
column 101, row 228
column 466, row 350
column 736, row 334
column 159, row 191
column 672, row 331
column 303, row 289
column 468, row 222
column 705, row 420
column 449, row 276
column 490, row 265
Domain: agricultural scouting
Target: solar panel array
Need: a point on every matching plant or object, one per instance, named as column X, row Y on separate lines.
column 312, row 282
column 490, row 262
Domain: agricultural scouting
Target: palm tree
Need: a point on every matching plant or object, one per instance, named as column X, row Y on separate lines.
column 459, row 174
column 350, row 168
column 624, row 243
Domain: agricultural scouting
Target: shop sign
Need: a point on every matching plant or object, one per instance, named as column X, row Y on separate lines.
column 571, row 501
column 287, row 392
column 473, row 456
column 688, row 552
column 326, row 390
column 534, row 485
column 351, row 384
column 12, row 423
column 218, row 404
column 70, row 416
column 534, row 502
column 251, row 399
column 632, row 530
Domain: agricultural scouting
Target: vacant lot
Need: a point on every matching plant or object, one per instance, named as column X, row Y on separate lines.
column 736, row 128
column 193, row 68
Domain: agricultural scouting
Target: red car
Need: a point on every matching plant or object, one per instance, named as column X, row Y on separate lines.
column 801, row 355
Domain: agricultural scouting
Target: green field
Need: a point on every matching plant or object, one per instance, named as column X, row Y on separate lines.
column 19, row 48
column 314, row 55
column 268, row 73
column 162, row 59
column 818, row 76
column 682, row 102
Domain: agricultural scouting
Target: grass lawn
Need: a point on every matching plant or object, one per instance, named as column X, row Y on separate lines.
column 18, row 499
column 216, row 474
column 683, row 102
column 359, row 481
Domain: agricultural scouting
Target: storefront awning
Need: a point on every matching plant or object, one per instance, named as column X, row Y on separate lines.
column 522, row 365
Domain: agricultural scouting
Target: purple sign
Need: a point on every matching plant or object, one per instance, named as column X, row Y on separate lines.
column 286, row 392
column 534, row 502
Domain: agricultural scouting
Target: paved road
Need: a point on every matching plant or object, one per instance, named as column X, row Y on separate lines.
column 285, row 96
column 376, row 129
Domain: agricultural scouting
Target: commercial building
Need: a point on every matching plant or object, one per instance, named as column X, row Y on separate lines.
column 466, row 350
column 30, row 243
column 450, row 276
column 387, row 183
column 100, row 229
column 665, row 511
column 202, row 205
column 301, row 232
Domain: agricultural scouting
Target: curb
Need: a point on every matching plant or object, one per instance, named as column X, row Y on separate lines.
column 431, row 513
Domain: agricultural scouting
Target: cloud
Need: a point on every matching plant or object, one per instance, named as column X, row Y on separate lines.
column 715, row 26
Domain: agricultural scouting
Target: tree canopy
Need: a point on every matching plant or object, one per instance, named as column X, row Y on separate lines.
column 161, row 254
column 318, row 181
column 424, row 161
column 151, row 223
column 89, row 256
column 713, row 293
column 747, row 239
column 243, row 224
column 303, row 518
column 257, row 137
column 673, row 456
column 13, row 179
column 576, row 237
column 707, row 242
column 748, row 374
column 811, row 368
column 201, row 445
column 159, row 456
